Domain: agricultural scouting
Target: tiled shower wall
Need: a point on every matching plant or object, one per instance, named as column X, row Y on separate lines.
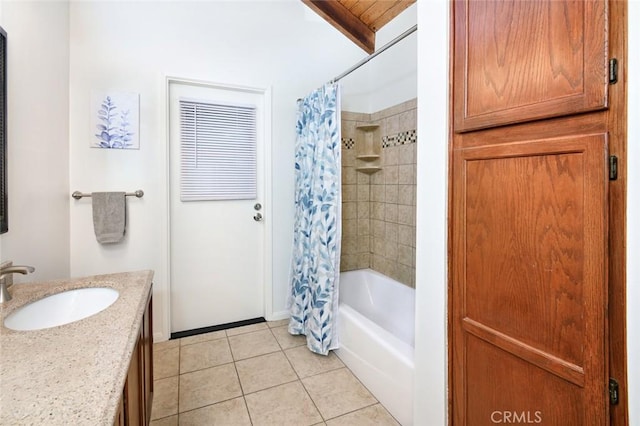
column 378, row 209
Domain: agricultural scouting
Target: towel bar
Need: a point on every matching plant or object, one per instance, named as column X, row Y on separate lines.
column 139, row 193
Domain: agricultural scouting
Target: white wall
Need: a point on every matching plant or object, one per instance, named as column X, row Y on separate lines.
column 633, row 213
column 38, row 134
column 132, row 46
column 391, row 77
column 430, row 407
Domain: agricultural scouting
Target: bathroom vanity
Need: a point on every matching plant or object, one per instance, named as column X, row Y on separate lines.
column 94, row 371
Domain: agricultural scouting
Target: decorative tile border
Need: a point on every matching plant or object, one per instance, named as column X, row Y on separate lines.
column 402, row 138
column 348, row 143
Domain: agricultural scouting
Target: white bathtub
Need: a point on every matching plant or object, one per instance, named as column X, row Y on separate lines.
column 376, row 328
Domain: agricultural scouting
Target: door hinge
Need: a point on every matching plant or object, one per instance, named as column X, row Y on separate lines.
column 613, row 71
column 613, row 167
column 614, row 396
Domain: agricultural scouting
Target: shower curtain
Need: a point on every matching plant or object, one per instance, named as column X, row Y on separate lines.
column 315, row 266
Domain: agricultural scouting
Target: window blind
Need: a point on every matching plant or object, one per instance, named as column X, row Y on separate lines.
column 217, row 151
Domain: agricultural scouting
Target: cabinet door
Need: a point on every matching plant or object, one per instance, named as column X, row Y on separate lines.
column 138, row 388
column 530, row 282
column 517, row 61
column 120, row 418
column 147, row 353
column 134, row 390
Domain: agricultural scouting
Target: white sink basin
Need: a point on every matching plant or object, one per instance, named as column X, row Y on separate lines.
column 62, row 308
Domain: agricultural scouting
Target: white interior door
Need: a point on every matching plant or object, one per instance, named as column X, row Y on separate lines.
column 217, row 247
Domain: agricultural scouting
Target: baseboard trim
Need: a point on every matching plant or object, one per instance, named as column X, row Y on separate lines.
column 277, row 316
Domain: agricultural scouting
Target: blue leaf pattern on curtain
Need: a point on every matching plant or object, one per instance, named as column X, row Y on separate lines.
column 315, row 269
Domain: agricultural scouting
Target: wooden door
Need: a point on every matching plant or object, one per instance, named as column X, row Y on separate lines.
column 530, row 281
column 529, row 206
column 518, row 61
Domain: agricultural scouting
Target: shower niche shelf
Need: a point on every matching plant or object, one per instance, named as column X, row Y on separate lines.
column 369, row 169
column 368, row 157
column 368, row 148
column 368, row 127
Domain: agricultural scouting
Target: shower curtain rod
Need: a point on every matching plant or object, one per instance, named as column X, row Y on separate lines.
column 376, row 53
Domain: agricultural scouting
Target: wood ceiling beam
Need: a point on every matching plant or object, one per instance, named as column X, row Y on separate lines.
column 346, row 22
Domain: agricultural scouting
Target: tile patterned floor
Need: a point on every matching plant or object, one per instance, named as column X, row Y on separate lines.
column 257, row 375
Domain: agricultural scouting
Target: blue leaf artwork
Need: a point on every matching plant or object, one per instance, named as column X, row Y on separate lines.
column 315, row 266
column 115, row 120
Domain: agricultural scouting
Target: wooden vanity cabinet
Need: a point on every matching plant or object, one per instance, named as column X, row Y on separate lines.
column 137, row 395
column 119, row 421
column 147, row 355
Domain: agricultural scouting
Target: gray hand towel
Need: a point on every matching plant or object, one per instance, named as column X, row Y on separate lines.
column 109, row 218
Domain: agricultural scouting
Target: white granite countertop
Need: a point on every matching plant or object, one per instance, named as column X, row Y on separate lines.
column 71, row 374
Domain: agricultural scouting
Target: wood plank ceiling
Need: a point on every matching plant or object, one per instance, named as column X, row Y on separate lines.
column 359, row 19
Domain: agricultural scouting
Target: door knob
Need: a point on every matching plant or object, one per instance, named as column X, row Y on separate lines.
column 257, row 217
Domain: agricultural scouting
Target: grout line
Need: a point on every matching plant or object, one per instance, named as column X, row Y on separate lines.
column 312, row 401
column 371, row 393
column 210, row 366
column 233, row 360
column 178, row 402
column 202, row 341
column 235, row 366
column 358, row 409
column 208, row 405
column 352, row 411
column 246, row 407
column 277, row 341
column 291, row 365
column 274, row 386
column 233, row 357
column 206, row 368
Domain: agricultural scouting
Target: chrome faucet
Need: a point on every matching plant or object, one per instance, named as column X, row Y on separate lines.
column 4, row 293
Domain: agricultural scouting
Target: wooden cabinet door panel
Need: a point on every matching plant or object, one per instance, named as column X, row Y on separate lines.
column 120, row 417
column 517, row 61
column 137, row 397
column 530, row 282
column 557, row 402
column 133, row 390
column 147, row 359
